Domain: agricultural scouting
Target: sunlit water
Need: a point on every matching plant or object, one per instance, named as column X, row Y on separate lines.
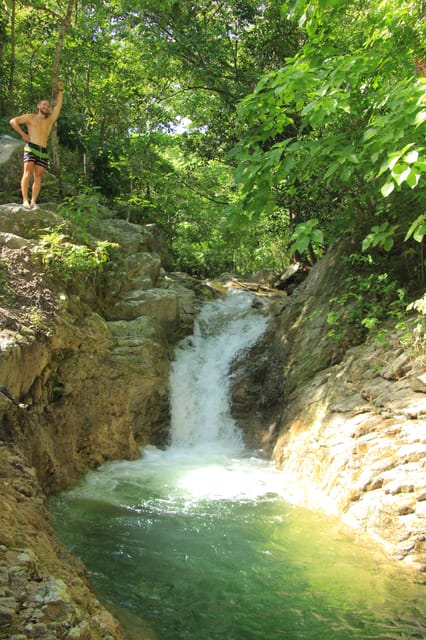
column 198, row 542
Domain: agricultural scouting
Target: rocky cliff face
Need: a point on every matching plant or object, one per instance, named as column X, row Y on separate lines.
column 345, row 423
column 88, row 377
column 83, row 379
column 44, row 591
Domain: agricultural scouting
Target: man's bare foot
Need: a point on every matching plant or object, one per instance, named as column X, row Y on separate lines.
column 34, row 206
column 26, row 204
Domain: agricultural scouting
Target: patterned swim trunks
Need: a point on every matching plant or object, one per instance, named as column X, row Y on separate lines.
column 35, row 153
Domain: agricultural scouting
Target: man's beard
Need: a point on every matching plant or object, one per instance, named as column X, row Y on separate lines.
column 44, row 113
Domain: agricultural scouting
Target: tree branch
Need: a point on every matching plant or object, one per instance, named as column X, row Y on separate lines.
column 203, row 195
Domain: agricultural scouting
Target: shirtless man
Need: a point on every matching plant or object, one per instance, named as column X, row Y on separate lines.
column 39, row 125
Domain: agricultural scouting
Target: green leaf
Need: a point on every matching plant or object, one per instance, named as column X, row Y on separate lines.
column 237, row 220
column 301, row 244
column 411, row 157
column 317, row 235
column 369, row 133
column 420, row 233
column 413, row 179
column 387, row 189
column 331, row 170
column 421, row 165
column 387, row 243
column 402, row 174
column 417, row 228
column 399, row 168
column 420, row 118
column 367, row 242
column 345, row 175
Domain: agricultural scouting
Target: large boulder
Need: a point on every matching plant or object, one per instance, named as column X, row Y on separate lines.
column 11, row 154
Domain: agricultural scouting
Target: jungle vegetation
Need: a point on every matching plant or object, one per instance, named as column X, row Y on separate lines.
column 252, row 133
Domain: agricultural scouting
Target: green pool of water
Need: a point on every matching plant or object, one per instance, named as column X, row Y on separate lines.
column 204, row 548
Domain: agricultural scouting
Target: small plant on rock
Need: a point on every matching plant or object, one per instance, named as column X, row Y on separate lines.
column 81, row 210
column 65, row 259
column 414, row 332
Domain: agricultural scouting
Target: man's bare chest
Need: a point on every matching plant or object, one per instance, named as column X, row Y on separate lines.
column 39, row 129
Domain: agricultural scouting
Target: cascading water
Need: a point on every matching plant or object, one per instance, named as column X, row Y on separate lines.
column 198, row 541
column 199, row 381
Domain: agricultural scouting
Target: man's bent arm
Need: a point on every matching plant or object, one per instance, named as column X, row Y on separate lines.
column 15, row 122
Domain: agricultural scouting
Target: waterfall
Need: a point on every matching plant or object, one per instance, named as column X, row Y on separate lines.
column 199, row 381
column 199, row 540
column 206, row 458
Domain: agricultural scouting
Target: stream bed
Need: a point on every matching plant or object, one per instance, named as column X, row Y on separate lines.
column 200, row 541
column 231, row 560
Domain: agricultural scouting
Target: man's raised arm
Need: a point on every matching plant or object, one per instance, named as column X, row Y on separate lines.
column 58, row 104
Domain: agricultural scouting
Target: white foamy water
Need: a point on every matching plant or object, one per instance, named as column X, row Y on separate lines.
column 206, row 458
column 199, row 381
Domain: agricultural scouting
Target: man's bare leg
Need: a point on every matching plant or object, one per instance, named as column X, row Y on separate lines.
column 38, row 175
column 25, row 183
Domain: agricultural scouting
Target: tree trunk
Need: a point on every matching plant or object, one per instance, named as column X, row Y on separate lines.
column 55, row 77
column 11, row 80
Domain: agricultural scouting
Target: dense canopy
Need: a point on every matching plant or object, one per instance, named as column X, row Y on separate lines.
column 249, row 132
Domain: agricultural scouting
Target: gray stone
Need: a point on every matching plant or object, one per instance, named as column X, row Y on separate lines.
column 4, row 577
column 12, row 241
column 16, row 220
column 8, row 607
column 26, row 558
column 40, row 630
column 77, row 632
column 418, row 383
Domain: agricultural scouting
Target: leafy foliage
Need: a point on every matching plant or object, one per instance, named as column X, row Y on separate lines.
column 245, row 131
column 305, row 236
column 148, row 84
column 342, row 116
column 65, row 260
column 372, row 295
column 81, row 210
